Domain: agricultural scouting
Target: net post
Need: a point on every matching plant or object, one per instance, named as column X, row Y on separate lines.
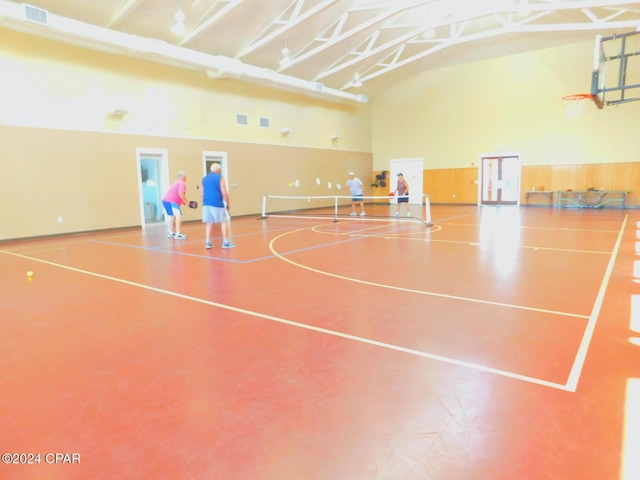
column 427, row 208
column 335, row 208
column 264, row 206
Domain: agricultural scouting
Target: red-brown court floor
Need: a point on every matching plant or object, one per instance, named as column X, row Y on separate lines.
column 498, row 343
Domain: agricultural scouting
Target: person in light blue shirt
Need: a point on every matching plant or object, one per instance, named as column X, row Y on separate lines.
column 357, row 193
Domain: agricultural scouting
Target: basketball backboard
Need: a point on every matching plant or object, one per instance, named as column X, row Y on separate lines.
column 616, row 69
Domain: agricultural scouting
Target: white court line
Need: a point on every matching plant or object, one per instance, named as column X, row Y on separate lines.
column 535, row 228
column 634, row 322
column 42, row 250
column 631, row 436
column 436, row 228
column 524, row 247
column 410, row 290
column 578, row 364
column 364, row 232
column 334, row 333
column 368, row 218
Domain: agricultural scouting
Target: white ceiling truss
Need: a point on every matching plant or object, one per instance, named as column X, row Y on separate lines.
column 329, row 41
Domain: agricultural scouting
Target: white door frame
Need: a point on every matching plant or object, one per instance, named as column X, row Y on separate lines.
column 413, row 171
column 499, row 155
column 163, row 155
column 219, row 157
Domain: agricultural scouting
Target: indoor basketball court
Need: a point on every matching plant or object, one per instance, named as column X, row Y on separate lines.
column 430, row 267
column 366, row 348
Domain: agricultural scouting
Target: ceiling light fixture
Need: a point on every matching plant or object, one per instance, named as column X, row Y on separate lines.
column 285, row 60
column 357, row 83
column 178, row 27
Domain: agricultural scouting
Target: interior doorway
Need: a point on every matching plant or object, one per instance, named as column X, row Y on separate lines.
column 500, row 179
column 209, row 157
column 153, row 181
column 412, row 170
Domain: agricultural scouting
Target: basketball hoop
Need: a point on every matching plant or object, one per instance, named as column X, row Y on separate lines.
column 573, row 103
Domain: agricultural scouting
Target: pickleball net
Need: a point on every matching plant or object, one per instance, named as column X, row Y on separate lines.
column 338, row 207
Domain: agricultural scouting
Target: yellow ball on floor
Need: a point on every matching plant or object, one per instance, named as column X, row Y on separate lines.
column 29, row 274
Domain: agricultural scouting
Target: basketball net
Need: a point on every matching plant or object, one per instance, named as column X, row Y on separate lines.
column 573, row 104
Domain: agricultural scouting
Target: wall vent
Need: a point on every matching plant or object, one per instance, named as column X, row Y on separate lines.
column 242, row 119
column 265, row 122
column 36, row 15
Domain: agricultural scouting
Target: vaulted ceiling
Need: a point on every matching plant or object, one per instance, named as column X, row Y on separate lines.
column 328, row 42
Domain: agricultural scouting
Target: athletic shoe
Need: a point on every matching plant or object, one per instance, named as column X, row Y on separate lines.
column 208, row 245
column 228, row 245
column 397, row 214
column 362, row 214
column 171, row 235
column 353, row 214
column 408, row 214
column 179, row 236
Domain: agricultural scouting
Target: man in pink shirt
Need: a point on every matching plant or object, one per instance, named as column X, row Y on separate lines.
column 176, row 196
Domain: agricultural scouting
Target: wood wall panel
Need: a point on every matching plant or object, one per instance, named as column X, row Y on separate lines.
column 466, row 185
column 607, row 176
column 439, row 184
column 458, row 185
column 452, row 185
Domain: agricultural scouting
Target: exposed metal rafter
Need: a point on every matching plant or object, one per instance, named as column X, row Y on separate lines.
column 123, row 12
column 209, row 19
column 399, row 62
column 330, row 41
column 338, row 35
column 457, row 26
column 283, row 26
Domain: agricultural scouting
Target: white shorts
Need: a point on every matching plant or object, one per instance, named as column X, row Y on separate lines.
column 214, row 214
column 172, row 209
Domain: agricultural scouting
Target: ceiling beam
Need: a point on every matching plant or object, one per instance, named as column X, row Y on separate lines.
column 123, row 12
column 295, row 19
column 328, row 43
column 456, row 35
column 204, row 25
column 386, row 68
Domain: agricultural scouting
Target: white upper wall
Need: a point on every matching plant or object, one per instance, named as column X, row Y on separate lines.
column 514, row 104
column 48, row 84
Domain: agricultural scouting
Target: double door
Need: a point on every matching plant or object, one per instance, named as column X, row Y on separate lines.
column 500, row 180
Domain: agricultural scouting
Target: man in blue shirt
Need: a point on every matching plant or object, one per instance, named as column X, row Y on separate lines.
column 215, row 205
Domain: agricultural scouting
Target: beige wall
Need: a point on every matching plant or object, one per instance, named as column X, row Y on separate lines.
column 514, row 104
column 90, row 179
column 54, row 85
column 62, row 154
